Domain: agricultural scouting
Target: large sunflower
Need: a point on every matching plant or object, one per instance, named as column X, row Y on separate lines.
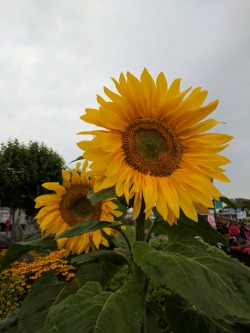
column 69, row 206
column 155, row 146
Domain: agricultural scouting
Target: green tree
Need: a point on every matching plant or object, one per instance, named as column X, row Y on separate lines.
column 23, row 169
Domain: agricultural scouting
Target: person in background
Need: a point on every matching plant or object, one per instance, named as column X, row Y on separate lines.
column 226, row 226
column 245, row 246
column 242, row 230
column 234, row 244
column 220, row 227
column 234, row 230
column 7, row 226
column 211, row 220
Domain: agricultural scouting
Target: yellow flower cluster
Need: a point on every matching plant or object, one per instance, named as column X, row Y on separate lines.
column 54, row 261
column 13, row 289
column 17, row 279
column 2, row 254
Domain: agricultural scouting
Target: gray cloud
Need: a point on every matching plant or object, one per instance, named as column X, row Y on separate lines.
column 55, row 56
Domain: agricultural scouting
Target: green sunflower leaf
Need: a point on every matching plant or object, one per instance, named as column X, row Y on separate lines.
column 228, row 202
column 32, row 314
column 77, row 159
column 9, row 324
column 185, row 318
column 95, row 197
column 92, row 310
column 48, row 291
column 93, row 256
column 214, row 283
column 17, row 250
column 88, row 226
column 187, row 229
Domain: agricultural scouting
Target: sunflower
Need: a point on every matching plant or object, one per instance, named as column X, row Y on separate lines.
column 155, row 147
column 68, row 206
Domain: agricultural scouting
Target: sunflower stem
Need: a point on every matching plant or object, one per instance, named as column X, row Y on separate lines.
column 150, row 231
column 129, row 260
column 140, row 276
column 125, row 237
column 130, row 264
column 140, row 236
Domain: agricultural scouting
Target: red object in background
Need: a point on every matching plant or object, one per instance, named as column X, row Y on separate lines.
column 235, row 247
column 246, row 250
column 234, row 230
column 7, row 226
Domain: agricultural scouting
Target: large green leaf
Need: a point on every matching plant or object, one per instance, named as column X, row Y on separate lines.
column 214, row 283
column 9, row 323
column 48, row 291
column 105, row 194
column 42, row 295
column 93, row 256
column 187, row 229
column 17, row 250
column 88, row 226
column 151, row 322
column 110, row 262
column 185, row 318
column 91, row 310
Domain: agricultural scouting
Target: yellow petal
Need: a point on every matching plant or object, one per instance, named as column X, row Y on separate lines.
column 194, row 100
column 186, row 204
column 161, row 204
column 115, row 121
column 66, row 178
column 137, row 204
column 92, row 116
column 75, row 179
column 115, row 165
column 47, row 199
column 45, row 210
column 162, row 87
column 174, row 89
column 97, row 237
column 201, row 127
column 119, row 187
column 113, row 96
column 188, row 119
column 59, row 189
column 149, row 192
column 171, row 196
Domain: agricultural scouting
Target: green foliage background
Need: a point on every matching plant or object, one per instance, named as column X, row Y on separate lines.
column 23, row 169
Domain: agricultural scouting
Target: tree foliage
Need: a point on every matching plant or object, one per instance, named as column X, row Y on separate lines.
column 23, row 169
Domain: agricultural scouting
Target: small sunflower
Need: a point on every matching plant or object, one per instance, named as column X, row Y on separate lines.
column 69, row 206
column 154, row 146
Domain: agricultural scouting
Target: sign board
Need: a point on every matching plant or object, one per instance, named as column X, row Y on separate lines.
column 218, row 204
column 4, row 214
column 241, row 215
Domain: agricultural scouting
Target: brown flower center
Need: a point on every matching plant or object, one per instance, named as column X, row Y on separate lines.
column 75, row 207
column 152, row 147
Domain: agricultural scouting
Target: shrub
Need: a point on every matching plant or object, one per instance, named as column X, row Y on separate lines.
column 17, row 279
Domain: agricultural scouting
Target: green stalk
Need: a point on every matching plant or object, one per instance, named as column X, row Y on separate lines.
column 140, row 276
column 130, row 259
column 150, row 231
column 140, row 236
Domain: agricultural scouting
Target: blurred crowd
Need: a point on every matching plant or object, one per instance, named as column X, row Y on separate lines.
column 237, row 232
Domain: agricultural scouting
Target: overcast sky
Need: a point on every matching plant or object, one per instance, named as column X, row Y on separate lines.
column 56, row 55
